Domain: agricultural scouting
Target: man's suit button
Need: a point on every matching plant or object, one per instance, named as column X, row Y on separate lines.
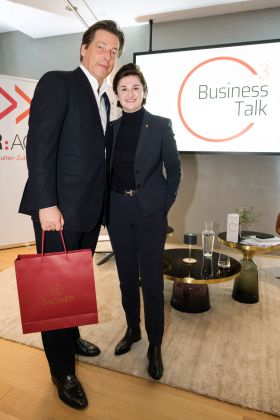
column 137, row 171
column 138, row 185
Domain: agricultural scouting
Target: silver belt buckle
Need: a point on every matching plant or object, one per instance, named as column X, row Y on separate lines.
column 128, row 192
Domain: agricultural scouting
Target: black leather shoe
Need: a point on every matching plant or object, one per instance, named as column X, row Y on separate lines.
column 85, row 348
column 155, row 368
column 70, row 391
column 131, row 336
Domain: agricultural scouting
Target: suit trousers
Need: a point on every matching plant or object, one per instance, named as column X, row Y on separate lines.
column 59, row 345
column 138, row 244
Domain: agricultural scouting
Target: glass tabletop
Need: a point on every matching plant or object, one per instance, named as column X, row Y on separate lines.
column 203, row 271
column 246, row 247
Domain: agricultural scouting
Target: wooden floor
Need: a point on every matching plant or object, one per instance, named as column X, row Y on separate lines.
column 26, row 392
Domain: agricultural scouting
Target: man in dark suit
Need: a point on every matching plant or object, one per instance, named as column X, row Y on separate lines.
column 68, row 124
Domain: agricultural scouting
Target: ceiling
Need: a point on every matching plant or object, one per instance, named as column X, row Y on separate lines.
column 43, row 18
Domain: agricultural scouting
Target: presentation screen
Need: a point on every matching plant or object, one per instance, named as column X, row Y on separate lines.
column 222, row 98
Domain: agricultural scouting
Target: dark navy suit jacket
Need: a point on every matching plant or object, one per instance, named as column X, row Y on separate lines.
column 66, row 150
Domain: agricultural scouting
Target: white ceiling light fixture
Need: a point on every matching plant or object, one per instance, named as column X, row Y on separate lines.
column 70, row 7
column 82, row 10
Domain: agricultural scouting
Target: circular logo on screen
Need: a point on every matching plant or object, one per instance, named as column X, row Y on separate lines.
column 220, row 99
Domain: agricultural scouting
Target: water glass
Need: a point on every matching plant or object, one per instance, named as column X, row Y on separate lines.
column 208, row 236
column 223, row 261
column 207, row 268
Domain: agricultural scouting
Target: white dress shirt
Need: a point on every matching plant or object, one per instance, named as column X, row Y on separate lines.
column 98, row 92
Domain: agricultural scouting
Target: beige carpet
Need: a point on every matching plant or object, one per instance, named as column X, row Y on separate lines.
column 231, row 352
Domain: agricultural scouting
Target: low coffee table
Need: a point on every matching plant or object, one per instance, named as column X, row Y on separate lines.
column 190, row 289
column 246, row 285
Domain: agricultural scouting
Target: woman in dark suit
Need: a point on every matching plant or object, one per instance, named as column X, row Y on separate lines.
column 140, row 198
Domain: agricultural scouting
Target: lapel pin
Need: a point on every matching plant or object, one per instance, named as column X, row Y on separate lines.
column 147, row 125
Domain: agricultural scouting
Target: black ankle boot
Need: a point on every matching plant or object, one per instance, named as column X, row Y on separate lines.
column 155, row 368
column 131, row 336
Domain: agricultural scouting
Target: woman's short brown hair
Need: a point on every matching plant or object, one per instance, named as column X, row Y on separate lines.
column 129, row 69
column 105, row 25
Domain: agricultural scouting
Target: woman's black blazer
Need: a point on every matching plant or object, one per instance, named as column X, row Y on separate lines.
column 157, row 166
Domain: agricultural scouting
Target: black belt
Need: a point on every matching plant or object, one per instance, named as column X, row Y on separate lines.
column 127, row 193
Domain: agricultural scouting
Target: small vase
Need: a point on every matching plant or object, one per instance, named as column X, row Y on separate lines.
column 242, row 234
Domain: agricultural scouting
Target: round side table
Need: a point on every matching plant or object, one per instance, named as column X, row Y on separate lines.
column 246, row 285
column 190, row 289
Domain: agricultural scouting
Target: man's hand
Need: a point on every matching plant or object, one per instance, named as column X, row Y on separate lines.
column 51, row 219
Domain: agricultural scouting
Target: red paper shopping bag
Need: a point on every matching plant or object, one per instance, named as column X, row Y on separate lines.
column 56, row 290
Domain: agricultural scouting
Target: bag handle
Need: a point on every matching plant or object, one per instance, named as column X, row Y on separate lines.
column 43, row 244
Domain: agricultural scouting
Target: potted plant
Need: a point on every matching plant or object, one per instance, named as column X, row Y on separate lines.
column 247, row 216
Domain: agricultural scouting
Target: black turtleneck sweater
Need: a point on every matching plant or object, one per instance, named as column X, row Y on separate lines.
column 125, row 149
